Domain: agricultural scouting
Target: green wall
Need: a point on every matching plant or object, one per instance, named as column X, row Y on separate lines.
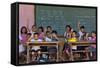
column 59, row 17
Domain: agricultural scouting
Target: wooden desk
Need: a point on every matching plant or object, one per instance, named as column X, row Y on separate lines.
column 81, row 43
column 30, row 44
column 58, row 45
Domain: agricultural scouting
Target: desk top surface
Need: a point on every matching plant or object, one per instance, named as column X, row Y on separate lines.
column 60, row 43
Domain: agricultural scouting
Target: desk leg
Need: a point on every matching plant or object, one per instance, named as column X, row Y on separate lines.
column 57, row 52
column 28, row 54
column 71, row 53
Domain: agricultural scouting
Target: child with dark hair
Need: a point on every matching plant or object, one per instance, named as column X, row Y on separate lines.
column 32, row 30
column 81, row 31
column 42, row 37
column 41, row 32
column 48, row 36
column 92, row 48
column 36, row 50
column 66, row 48
column 68, row 31
column 54, row 36
column 73, row 39
column 22, row 38
column 53, row 49
column 22, row 42
column 49, row 28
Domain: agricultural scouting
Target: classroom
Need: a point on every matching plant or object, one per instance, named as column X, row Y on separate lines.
column 56, row 34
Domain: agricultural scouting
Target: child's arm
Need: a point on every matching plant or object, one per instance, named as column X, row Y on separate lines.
column 87, row 36
column 45, row 30
column 65, row 34
column 56, row 37
column 27, row 25
column 29, row 39
column 78, row 25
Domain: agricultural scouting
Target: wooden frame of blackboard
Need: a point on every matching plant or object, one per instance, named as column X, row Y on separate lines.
column 15, row 31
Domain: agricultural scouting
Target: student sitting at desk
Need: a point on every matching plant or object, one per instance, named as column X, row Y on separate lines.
column 48, row 36
column 32, row 30
column 42, row 36
column 81, row 31
column 49, row 28
column 23, row 37
column 73, row 39
column 92, row 47
column 53, row 49
column 85, row 37
column 68, row 31
column 66, row 48
column 41, row 32
column 36, row 50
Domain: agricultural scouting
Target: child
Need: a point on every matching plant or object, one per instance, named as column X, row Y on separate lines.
column 81, row 31
column 85, row 37
column 53, row 49
column 66, row 48
column 92, row 47
column 49, row 28
column 68, row 31
column 32, row 30
column 48, row 36
column 22, row 41
column 36, row 51
column 73, row 39
column 41, row 32
column 54, row 36
column 42, row 36
column 23, row 35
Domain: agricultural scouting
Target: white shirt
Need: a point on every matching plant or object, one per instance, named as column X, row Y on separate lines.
column 32, row 33
column 20, row 38
column 21, row 48
column 48, row 39
column 80, row 34
column 36, row 47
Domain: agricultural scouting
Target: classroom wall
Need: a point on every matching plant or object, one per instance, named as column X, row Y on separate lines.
column 59, row 17
column 26, row 15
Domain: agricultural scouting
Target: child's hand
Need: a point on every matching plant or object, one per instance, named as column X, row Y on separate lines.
column 55, row 36
column 78, row 22
column 45, row 29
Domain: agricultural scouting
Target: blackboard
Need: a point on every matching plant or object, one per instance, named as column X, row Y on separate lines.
column 58, row 17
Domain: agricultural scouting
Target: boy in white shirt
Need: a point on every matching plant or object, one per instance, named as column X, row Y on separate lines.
column 48, row 36
column 81, row 31
column 36, row 50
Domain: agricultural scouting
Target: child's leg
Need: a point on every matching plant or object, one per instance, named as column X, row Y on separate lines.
column 52, row 53
column 87, row 53
column 33, row 55
column 66, row 49
column 93, row 53
column 38, row 54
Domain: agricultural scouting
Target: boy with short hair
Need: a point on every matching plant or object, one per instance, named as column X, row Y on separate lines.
column 36, row 50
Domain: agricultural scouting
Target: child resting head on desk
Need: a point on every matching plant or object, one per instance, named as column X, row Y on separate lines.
column 36, row 50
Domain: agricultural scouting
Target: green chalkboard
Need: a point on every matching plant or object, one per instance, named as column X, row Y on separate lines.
column 58, row 17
